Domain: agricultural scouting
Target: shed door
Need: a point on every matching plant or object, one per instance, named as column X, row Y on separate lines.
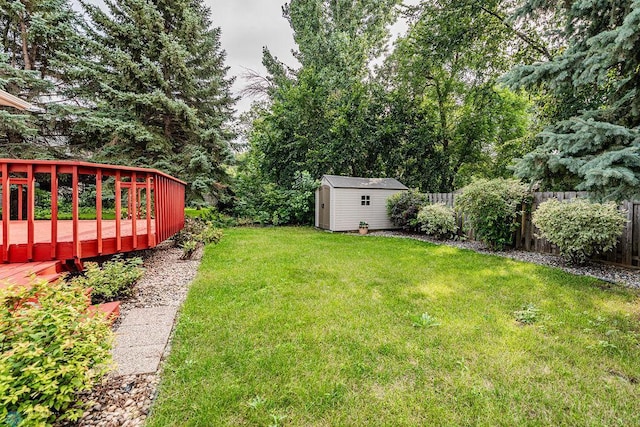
column 325, row 208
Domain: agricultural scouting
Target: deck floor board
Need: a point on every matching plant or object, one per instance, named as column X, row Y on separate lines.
column 87, row 230
column 63, row 249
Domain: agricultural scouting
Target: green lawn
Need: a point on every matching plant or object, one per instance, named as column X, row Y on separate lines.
column 296, row 327
column 196, row 213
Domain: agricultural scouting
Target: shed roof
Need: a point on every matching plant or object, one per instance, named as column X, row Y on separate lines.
column 374, row 183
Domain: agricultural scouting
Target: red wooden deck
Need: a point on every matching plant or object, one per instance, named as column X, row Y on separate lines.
column 20, row 274
column 148, row 205
column 87, row 235
column 150, row 211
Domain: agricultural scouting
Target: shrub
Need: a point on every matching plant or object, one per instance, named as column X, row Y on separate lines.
column 196, row 232
column 49, row 351
column 211, row 215
column 403, row 208
column 189, row 248
column 437, row 220
column 490, row 207
column 192, row 227
column 266, row 202
column 113, row 280
column 579, row 228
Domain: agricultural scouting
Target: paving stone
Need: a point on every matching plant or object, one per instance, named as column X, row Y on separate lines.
column 141, row 339
column 138, row 360
column 149, row 316
column 141, row 335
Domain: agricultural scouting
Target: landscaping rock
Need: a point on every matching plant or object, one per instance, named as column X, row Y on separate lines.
column 125, row 400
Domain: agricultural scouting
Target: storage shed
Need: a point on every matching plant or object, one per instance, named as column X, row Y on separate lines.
column 342, row 202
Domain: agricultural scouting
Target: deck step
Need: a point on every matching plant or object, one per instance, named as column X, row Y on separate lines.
column 21, row 273
column 110, row 309
column 49, row 277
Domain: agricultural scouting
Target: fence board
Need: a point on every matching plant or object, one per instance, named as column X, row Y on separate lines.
column 626, row 252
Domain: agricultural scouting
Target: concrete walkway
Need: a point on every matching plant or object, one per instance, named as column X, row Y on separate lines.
column 142, row 338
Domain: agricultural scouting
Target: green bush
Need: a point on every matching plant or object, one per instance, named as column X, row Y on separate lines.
column 579, row 228
column 437, row 220
column 196, row 232
column 211, row 215
column 266, row 202
column 490, row 208
column 189, row 248
column 49, row 351
column 403, row 208
column 113, row 280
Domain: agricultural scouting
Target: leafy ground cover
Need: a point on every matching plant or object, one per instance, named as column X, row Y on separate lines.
column 292, row 326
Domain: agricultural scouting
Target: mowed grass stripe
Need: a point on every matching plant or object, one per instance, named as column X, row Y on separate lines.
column 292, row 326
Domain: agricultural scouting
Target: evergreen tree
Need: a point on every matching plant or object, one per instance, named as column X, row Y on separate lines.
column 39, row 39
column 158, row 92
column 594, row 79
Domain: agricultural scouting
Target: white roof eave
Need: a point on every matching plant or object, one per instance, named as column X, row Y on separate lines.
column 9, row 100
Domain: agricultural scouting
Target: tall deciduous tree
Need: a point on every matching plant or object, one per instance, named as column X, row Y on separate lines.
column 446, row 68
column 159, row 95
column 39, row 39
column 320, row 115
column 594, row 142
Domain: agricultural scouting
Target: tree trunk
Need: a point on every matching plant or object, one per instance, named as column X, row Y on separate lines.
column 25, row 47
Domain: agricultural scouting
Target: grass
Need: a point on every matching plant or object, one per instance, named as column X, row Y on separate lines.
column 291, row 326
column 84, row 213
column 196, row 213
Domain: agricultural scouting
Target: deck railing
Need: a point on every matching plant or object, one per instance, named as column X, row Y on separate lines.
column 151, row 210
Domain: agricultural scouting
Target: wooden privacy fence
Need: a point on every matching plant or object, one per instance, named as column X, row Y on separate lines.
column 626, row 252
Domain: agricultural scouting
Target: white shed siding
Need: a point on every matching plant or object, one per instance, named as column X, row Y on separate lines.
column 332, row 208
column 317, row 221
column 347, row 210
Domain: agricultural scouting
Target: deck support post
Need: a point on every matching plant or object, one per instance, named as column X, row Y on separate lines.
column 99, row 209
column 54, row 210
column 151, row 243
column 6, row 212
column 20, row 202
column 133, row 192
column 75, row 213
column 31, row 207
column 118, row 213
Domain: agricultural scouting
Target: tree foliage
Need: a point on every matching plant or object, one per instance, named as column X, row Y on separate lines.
column 432, row 115
column 321, row 115
column 593, row 78
column 38, row 41
column 159, row 94
column 461, row 124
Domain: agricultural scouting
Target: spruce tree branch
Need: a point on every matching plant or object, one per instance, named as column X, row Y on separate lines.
column 524, row 37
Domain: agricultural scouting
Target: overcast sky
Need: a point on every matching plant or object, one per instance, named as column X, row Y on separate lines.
column 249, row 25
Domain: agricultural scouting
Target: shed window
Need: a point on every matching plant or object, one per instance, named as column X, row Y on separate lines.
column 365, row 200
